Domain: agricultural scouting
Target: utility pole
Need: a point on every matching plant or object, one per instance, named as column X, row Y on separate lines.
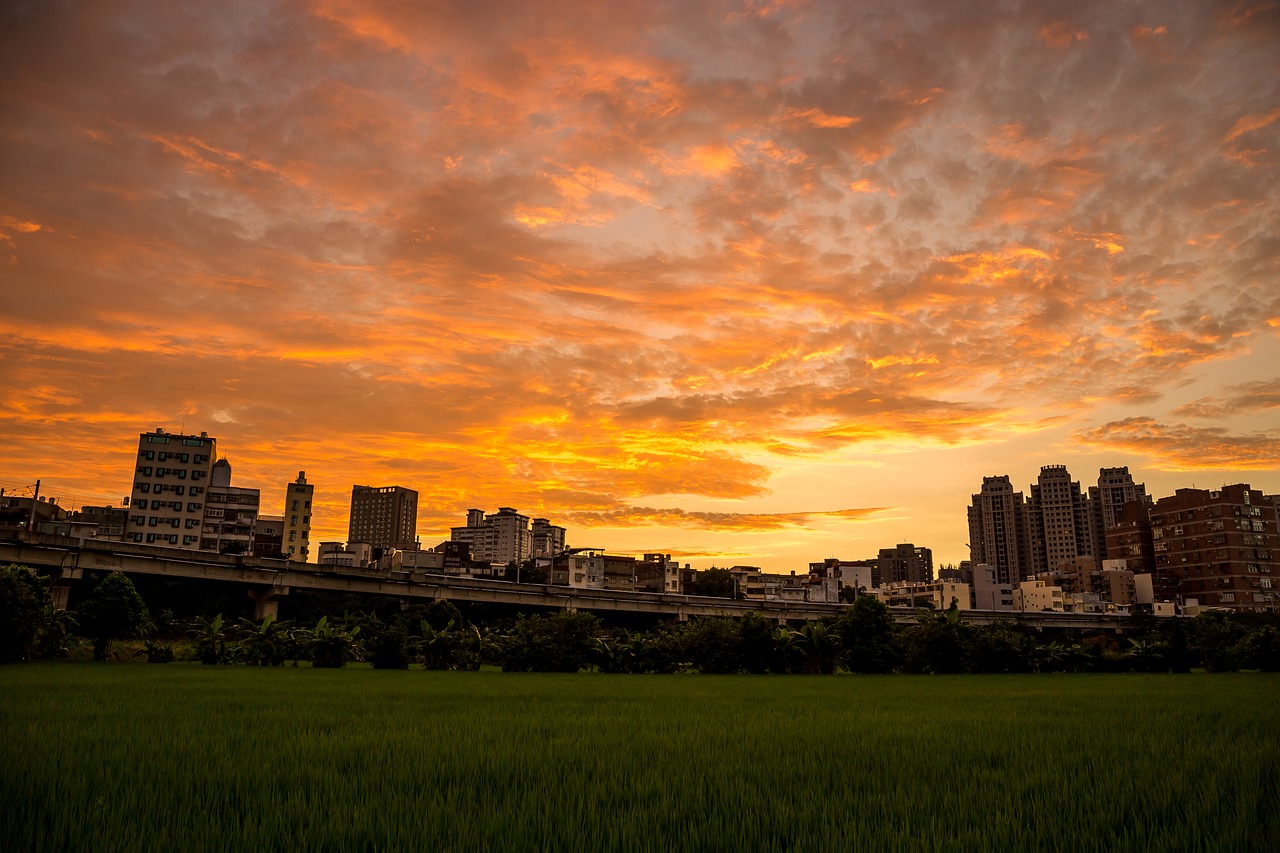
column 31, row 519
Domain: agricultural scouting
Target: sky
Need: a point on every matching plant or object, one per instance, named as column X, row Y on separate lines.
column 744, row 282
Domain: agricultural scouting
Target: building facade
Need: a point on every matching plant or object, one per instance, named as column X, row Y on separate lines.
column 383, row 517
column 296, row 535
column 504, row 537
column 170, row 479
column 1221, row 545
column 905, row 563
column 997, row 530
column 229, row 513
column 548, row 538
column 1061, row 524
column 1115, row 490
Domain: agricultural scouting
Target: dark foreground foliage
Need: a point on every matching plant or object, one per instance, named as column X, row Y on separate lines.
column 864, row 639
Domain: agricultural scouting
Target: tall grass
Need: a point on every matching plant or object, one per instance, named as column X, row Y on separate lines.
column 188, row 758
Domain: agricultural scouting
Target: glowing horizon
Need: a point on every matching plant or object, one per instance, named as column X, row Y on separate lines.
column 760, row 282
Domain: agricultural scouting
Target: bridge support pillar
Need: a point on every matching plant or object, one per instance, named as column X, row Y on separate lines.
column 266, row 600
column 60, row 592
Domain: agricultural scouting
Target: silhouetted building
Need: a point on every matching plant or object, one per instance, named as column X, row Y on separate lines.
column 229, row 513
column 1220, row 544
column 1108, row 499
column 504, row 537
column 383, row 517
column 997, row 530
column 171, row 475
column 298, row 495
column 905, row 563
column 268, row 536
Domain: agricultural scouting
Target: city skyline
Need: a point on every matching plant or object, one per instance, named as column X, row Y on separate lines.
column 739, row 282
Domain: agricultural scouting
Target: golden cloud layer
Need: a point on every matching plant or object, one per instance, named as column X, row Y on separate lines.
column 582, row 260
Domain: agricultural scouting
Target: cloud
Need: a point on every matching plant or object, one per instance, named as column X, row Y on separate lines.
column 1237, row 400
column 1179, row 447
column 744, row 522
column 574, row 257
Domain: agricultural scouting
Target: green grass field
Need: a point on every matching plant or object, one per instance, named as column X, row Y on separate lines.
column 183, row 757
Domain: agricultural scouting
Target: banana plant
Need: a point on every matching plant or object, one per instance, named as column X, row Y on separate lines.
column 331, row 646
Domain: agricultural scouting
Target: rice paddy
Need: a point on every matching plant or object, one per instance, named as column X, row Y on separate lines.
column 183, row 757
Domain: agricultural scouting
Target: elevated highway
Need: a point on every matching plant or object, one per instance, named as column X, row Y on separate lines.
column 68, row 559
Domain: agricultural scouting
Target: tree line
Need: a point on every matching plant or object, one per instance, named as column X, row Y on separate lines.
column 864, row 639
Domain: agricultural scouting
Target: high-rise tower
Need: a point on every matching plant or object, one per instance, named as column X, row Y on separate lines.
column 296, row 535
column 385, row 517
column 171, row 474
column 997, row 534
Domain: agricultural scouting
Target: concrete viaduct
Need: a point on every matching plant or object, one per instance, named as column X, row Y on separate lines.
column 66, row 559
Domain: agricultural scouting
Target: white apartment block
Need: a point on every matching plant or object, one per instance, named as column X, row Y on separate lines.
column 171, row 476
column 499, row 538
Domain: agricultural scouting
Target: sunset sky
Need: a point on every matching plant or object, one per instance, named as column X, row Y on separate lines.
column 744, row 282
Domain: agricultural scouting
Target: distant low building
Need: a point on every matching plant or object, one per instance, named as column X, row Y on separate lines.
column 1038, row 596
column 355, row 555
column 268, row 536
column 938, row 595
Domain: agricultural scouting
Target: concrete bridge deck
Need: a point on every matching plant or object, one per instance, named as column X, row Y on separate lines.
column 266, row 580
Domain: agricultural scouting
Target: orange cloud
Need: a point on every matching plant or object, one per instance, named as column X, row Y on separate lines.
column 716, row 521
column 585, row 261
column 1179, row 447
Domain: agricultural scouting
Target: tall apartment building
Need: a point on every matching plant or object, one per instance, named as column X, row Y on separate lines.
column 1221, row 545
column 905, row 563
column 548, row 539
column 1108, row 499
column 171, row 474
column 997, row 530
column 384, row 517
column 296, row 535
column 500, row 538
column 229, row 513
column 1061, row 525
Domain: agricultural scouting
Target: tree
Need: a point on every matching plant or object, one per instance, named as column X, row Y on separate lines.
column 1216, row 638
column 713, row 645
column 527, row 571
column 868, row 637
column 938, row 644
column 759, row 644
column 113, row 612
column 819, row 648
column 23, row 597
column 1260, row 649
column 717, row 583
column 561, row 642
column 389, row 648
